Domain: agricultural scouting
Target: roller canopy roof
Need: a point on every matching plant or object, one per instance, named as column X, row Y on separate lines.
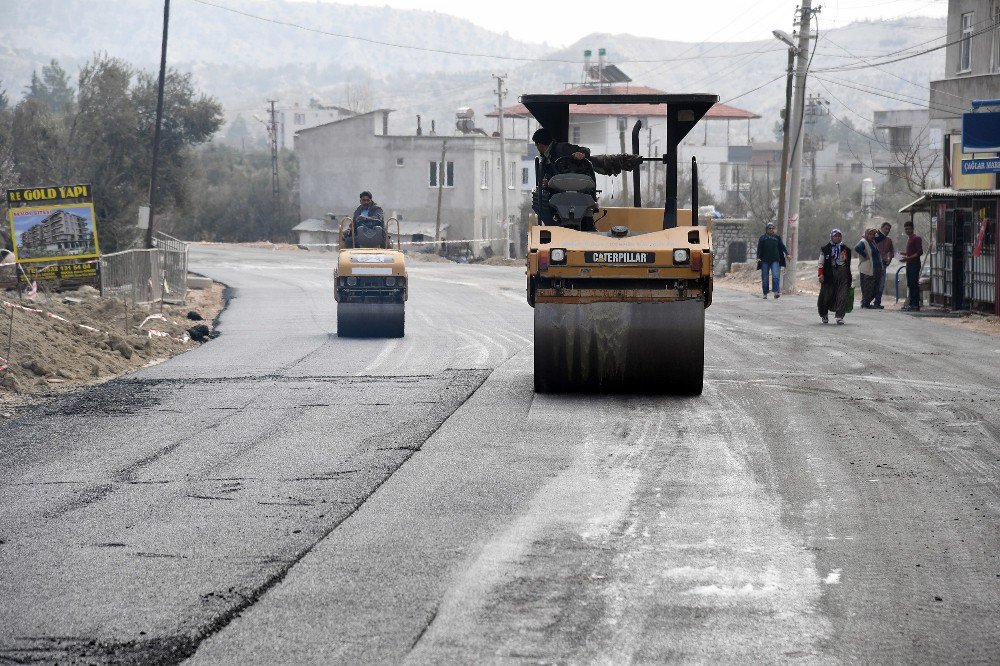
column 683, row 111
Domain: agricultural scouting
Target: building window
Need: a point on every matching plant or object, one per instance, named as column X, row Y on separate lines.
column 484, row 175
column 449, row 175
column 965, row 47
column 525, row 174
column 576, row 135
column 510, row 175
column 856, row 167
column 484, row 227
column 300, row 119
column 840, row 167
column 399, row 161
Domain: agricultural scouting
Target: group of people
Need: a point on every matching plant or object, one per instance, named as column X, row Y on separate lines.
column 875, row 252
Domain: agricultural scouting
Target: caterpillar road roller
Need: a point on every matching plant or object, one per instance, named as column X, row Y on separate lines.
column 619, row 293
column 370, row 280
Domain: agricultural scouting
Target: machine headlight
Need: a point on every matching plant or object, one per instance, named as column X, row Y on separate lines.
column 681, row 256
column 390, row 281
column 558, row 256
column 352, row 281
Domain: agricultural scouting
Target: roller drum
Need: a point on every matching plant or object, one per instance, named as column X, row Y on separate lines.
column 620, row 347
column 370, row 320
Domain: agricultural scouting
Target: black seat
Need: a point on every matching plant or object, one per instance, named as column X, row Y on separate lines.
column 572, row 182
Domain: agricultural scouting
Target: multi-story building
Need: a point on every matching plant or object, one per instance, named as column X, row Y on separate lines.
column 60, row 231
column 290, row 119
column 340, row 159
column 960, row 229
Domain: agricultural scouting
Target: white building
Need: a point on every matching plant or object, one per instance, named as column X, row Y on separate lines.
column 290, row 119
column 341, row 159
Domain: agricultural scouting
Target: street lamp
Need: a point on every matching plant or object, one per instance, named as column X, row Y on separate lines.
column 793, row 50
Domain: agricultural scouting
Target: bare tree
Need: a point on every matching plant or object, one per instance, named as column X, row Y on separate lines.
column 358, row 97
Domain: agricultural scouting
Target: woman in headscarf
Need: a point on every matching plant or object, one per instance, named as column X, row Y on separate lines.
column 834, row 277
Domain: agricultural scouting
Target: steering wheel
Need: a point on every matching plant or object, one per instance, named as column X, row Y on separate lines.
column 566, row 164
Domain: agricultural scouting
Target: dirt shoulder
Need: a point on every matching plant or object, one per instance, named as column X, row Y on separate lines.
column 55, row 343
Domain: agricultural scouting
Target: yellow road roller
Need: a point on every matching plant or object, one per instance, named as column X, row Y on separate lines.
column 370, row 280
column 619, row 293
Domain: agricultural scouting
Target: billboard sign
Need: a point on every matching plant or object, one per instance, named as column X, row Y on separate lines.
column 52, row 223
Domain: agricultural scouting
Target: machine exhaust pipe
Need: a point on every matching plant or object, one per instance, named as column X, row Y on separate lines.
column 636, row 190
column 694, row 190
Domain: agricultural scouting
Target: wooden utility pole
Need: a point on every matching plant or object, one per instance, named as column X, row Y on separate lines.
column 159, row 123
column 505, row 225
column 275, row 192
column 795, row 187
column 441, row 175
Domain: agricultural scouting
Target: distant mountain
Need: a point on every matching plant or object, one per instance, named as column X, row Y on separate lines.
column 243, row 61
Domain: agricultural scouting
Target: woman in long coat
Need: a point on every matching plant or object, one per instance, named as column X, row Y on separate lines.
column 834, row 277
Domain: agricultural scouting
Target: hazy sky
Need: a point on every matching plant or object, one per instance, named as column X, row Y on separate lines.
column 562, row 23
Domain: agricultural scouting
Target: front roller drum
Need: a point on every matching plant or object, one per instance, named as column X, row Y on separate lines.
column 370, row 320
column 620, row 347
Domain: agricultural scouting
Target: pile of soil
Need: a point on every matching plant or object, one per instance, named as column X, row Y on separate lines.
column 57, row 342
column 501, row 261
column 427, row 257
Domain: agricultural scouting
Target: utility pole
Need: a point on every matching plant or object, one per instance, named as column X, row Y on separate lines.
column 275, row 193
column 783, row 174
column 437, row 221
column 795, row 192
column 159, row 122
column 505, row 226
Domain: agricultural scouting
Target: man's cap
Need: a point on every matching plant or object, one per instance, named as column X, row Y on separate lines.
column 366, row 193
column 770, row 225
column 542, row 136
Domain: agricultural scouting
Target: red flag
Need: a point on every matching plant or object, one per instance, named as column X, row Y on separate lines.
column 978, row 250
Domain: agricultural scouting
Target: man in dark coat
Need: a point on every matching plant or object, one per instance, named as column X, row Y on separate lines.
column 550, row 152
column 914, row 250
column 771, row 255
column 367, row 210
column 834, row 277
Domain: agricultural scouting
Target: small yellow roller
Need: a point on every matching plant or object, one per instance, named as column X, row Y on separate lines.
column 370, row 281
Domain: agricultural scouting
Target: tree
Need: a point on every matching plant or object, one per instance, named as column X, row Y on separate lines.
column 105, row 139
column 52, row 89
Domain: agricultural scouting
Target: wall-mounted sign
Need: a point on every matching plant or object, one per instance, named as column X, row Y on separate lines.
column 981, row 165
column 981, row 132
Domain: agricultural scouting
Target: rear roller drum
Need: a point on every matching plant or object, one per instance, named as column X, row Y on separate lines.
column 620, row 347
column 370, row 320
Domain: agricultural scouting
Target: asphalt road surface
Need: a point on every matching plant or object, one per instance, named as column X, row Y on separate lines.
column 280, row 495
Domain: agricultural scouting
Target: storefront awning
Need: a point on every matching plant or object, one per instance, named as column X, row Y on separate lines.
column 915, row 206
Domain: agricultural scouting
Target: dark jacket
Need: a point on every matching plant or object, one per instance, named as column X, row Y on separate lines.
column 374, row 212
column 556, row 150
column 826, row 256
column 771, row 249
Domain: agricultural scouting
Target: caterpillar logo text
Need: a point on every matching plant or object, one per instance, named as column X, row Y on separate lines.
column 619, row 257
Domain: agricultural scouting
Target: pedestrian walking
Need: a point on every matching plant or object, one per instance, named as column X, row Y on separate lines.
column 869, row 267
column 771, row 254
column 914, row 250
column 834, row 277
column 886, row 250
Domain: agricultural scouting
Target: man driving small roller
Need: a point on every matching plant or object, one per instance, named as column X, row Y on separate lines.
column 366, row 212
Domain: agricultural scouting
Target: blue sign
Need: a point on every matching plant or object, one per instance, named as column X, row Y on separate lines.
column 981, row 165
column 981, row 132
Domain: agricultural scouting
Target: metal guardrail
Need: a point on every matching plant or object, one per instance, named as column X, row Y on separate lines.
column 147, row 275
column 133, row 275
column 175, row 267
